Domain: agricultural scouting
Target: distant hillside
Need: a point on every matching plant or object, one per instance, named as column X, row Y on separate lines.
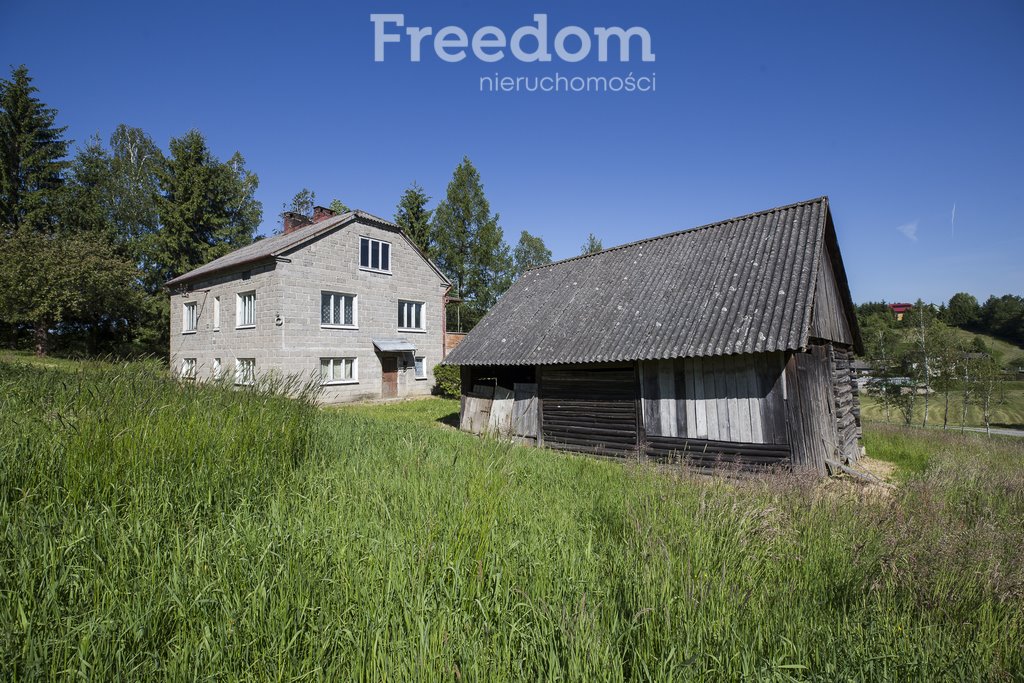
column 1006, row 351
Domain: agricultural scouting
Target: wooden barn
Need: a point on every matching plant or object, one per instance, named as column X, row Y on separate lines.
column 727, row 343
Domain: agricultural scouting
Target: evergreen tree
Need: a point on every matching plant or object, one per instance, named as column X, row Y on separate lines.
column 413, row 216
column 207, row 208
column 32, row 157
column 530, row 252
column 592, row 245
column 470, row 247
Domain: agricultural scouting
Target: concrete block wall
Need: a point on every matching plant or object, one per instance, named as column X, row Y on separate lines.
column 262, row 342
column 289, row 337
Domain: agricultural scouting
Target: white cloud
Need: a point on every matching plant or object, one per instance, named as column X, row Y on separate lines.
column 909, row 230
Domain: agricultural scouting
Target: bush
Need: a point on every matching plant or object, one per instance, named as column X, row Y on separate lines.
column 449, row 381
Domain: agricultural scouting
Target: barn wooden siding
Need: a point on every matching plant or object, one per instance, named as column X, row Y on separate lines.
column 589, row 409
column 829, row 320
column 716, row 409
column 752, row 410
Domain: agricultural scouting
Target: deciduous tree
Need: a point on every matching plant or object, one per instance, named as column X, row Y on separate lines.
column 530, row 252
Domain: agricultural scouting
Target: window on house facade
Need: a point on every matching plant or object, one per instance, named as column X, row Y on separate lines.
column 410, row 315
column 421, row 367
column 189, row 317
column 218, row 368
column 216, row 313
column 245, row 314
column 188, row 368
column 374, row 255
column 245, row 371
column 337, row 310
column 338, row 371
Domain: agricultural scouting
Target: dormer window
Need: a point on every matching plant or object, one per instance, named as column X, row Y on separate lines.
column 374, row 255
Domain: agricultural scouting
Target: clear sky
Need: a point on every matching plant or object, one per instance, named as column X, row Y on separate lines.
column 897, row 111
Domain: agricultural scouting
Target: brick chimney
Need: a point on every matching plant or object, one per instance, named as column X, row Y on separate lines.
column 293, row 221
column 321, row 213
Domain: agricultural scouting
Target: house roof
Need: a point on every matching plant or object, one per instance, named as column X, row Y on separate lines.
column 278, row 245
column 744, row 285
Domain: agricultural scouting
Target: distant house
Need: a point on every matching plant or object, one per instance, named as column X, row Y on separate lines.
column 731, row 342
column 346, row 298
column 899, row 310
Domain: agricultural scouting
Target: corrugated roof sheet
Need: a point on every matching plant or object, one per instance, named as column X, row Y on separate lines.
column 272, row 247
column 743, row 285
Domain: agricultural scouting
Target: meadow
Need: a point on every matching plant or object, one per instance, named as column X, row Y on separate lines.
column 1007, row 409
column 156, row 530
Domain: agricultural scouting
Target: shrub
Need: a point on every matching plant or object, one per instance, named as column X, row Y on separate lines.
column 449, row 381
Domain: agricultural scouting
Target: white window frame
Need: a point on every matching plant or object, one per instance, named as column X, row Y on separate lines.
column 218, row 368
column 243, row 378
column 240, row 310
column 189, row 317
column 216, row 313
column 403, row 315
column 188, row 368
column 369, row 254
column 340, row 326
column 422, row 359
column 333, row 362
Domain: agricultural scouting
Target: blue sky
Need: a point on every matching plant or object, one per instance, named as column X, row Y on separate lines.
column 897, row 111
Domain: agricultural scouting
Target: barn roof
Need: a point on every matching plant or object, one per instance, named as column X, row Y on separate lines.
column 744, row 285
column 278, row 245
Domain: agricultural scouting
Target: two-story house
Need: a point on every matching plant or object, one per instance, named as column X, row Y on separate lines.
column 346, row 298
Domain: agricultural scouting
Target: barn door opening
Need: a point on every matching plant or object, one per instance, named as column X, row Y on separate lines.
column 389, row 376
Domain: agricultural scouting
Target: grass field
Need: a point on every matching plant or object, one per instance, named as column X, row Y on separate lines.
column 152, row 530
column 1007, row 409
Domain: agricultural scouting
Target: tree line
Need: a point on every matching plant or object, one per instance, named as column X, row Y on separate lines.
column 88, row 239
column 922, row 358
column 465, row 239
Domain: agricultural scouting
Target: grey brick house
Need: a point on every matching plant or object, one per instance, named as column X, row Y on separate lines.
column 347, row 298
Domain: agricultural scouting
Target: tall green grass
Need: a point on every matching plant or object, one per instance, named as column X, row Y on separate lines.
column 153, row 530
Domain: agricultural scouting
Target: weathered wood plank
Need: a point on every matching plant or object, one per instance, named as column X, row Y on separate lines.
column 524, row 410
column 666, row 398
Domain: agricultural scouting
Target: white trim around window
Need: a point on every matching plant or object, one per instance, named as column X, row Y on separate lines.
column 188, row 368
column 342, row 370
column 374, row 255
column 245, row 309
column 412, row 316
column 189, row 317
column 420, row 367
column 245, row 371
column 218, row 368
column 339, row 310
column 216, row 313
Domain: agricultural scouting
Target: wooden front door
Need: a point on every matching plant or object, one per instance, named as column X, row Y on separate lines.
column 389, row 384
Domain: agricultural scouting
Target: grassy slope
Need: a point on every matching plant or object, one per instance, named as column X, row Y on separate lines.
column 146, row 535
column 1007, row 409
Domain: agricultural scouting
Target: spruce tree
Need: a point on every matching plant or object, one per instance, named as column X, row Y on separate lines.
column 470, row 247
column 207, row 208
column 32, row 157
column 413, row 216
